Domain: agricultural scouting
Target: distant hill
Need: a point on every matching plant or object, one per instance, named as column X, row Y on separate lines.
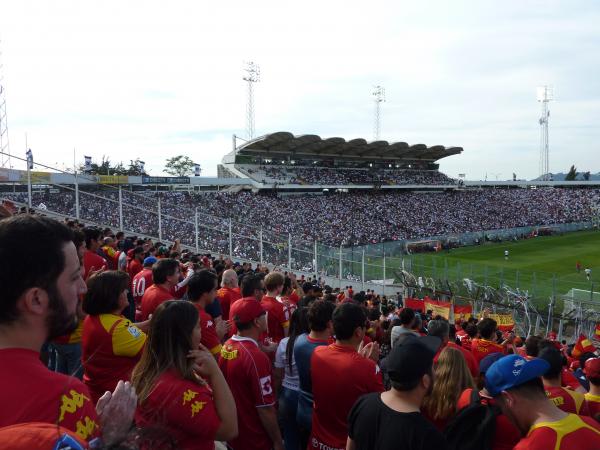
column 561, row 177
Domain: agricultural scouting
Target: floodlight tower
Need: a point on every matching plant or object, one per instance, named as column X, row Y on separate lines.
column 252, row 76
column 545, row 94
column 5, row 160
column 379, row 96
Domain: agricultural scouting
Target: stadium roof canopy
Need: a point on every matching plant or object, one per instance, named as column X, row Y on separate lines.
column 286, row 144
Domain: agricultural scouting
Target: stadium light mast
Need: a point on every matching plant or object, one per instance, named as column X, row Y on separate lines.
column 5, row 159
column 252, row 76
column 545, row 94
column 379, row 96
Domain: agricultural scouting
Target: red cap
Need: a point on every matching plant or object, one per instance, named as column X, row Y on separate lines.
column 592, row 368
column 246, row 310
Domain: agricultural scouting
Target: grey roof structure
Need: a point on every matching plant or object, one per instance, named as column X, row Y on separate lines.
column 283, row 143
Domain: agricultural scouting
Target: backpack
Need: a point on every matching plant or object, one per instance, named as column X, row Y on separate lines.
column 473, row 427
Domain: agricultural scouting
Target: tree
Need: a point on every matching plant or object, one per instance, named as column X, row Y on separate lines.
column 586, row 175
column 136, row 168
column 179, row 166
column 572, row 174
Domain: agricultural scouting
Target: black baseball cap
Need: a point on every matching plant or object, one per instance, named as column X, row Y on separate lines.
column 412, row 357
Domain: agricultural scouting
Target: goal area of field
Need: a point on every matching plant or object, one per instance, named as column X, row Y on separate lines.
column 583, row 295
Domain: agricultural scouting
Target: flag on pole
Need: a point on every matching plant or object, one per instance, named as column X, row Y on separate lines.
column 88, row 163
column 597, row 331
column 29, row 159
column 196, row 170
column 583, row 345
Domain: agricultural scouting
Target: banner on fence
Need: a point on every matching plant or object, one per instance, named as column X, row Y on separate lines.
column 415, row 304
column 505, row 321
column 438, row 308
column 462, row 312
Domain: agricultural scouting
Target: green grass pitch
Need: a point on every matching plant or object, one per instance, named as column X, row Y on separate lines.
column 540, row 265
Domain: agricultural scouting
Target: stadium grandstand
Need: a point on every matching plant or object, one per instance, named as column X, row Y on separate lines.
column 288, row 162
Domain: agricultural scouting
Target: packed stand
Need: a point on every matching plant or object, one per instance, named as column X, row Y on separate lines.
column 353, row 218
column 161, row 348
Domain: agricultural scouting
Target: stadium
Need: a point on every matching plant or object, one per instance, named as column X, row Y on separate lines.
column 376, row 214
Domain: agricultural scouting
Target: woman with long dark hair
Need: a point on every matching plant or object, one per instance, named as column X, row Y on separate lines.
column 183, row 397
column 286, row 377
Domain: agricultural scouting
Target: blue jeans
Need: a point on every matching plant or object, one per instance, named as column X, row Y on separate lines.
column 288, row 405
column 68, row 359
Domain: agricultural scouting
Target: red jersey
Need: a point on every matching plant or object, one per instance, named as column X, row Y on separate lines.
column 568, row 379
column 154, row 296
column 572, row 432
column 593, row 403
column 93, row 261
column 294, row 298
column 184, row 411
column 354, row 376
column 276, row 318
column 29, row 392
column 567, row 400
column 139, row 284
column 507, row 434
column 209, row 336
column 248, row 373
column 226, row 298
column 482, row 347
column 111, row 347
column 133, row 268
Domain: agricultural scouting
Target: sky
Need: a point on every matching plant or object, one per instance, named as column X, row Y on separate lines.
column 152, row 80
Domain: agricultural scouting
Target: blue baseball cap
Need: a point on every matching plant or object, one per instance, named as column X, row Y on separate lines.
column 512, row 371
column 149, row 260
column 490, row 359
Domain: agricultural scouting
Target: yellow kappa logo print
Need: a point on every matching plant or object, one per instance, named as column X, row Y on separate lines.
column 71, row 404
column 229, row 353
column 85, row 431
column 197, row 406
column 188, row 396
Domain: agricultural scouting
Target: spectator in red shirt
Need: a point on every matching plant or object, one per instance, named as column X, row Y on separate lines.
column 165, row 274
column 591, row 369
column 248, row 373
column 111, row 344
column 452, row 377
column 516, row 385
column 181, row 390
column 201, row 291
column 441, row 330
column 136, row 264
column 486, row 344
column 355, row 374
column 92, row 261
column 566, row 399
column 229, row 292
column 41, row 281
column 278, row 324
column 141, row 282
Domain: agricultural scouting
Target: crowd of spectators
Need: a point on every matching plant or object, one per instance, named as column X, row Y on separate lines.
column 216, row 354
column 342, row 176
column 353, row 218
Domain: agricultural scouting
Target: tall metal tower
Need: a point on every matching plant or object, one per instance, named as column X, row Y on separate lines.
column 252, row 76
column 379, row 95
column 5, row 159
column 545, row 94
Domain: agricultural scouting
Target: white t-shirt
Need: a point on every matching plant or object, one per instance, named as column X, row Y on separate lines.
column 290, row 379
